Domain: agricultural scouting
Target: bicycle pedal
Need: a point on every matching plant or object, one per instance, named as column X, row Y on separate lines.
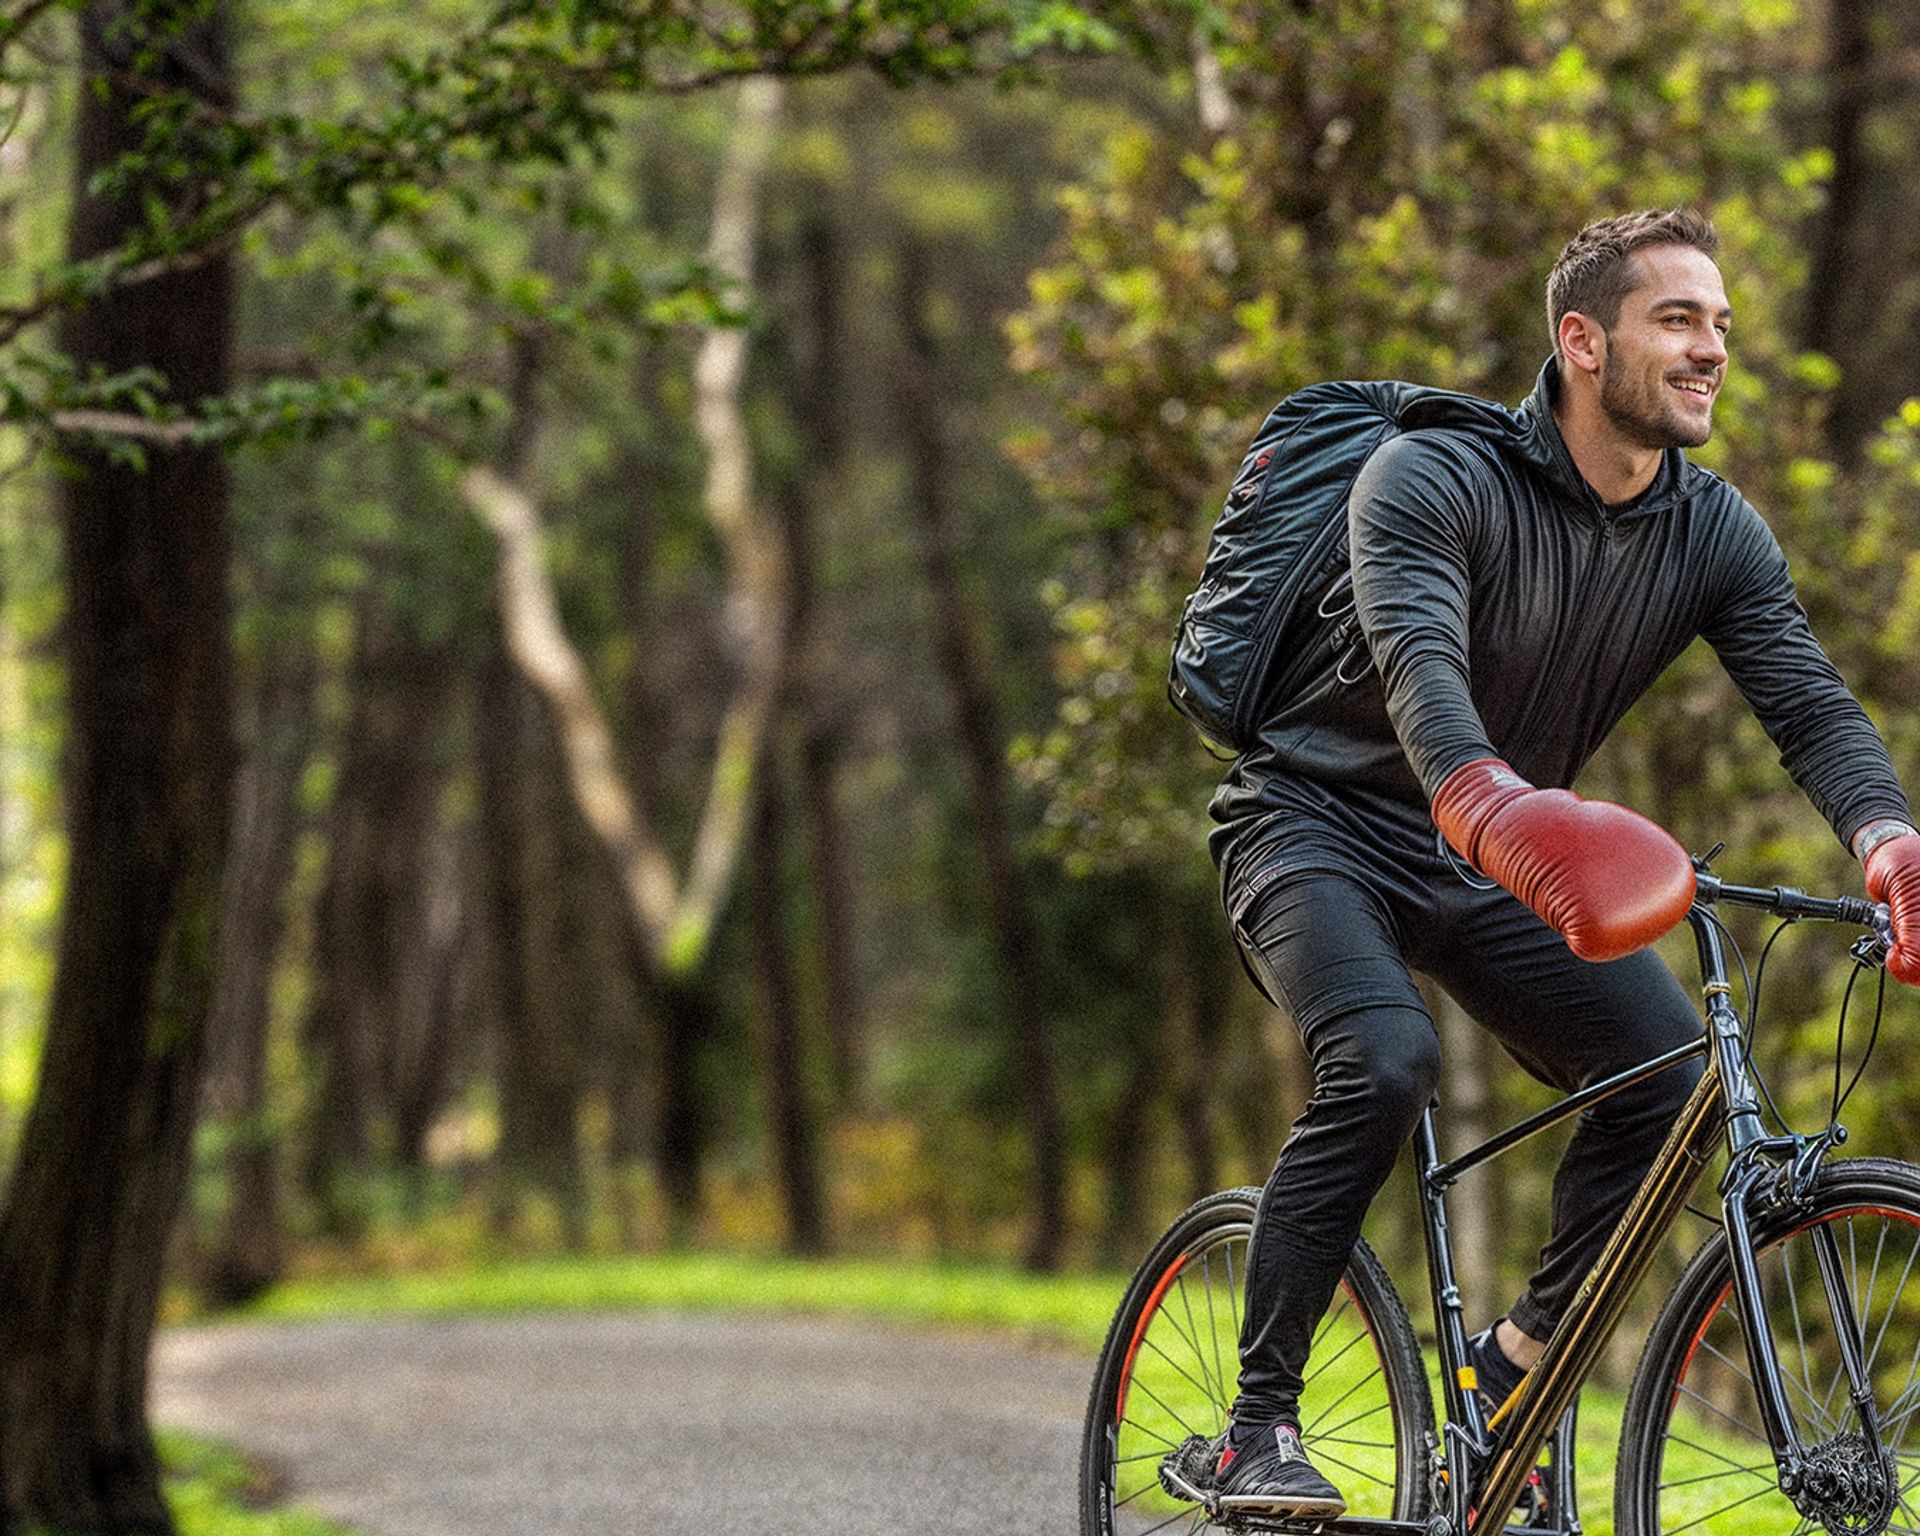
column 1533, row 1511
column 1186, row 1472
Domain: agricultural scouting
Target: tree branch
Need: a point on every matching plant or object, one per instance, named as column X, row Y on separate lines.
column 547, row 659
column 758, row 598
column 677, row 921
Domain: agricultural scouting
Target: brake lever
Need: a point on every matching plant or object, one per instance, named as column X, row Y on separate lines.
column 1871, row 949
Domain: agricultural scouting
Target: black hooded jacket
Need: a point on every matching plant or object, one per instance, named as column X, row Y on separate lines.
column 1510, row 613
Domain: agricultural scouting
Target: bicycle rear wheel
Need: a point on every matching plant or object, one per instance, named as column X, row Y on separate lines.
column 1172, row 1356
column 1693, row 1454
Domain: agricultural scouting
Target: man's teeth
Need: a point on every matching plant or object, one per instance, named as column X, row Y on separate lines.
column 1694, row 386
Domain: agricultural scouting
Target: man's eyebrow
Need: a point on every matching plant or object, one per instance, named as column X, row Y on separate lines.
column 1693, row 307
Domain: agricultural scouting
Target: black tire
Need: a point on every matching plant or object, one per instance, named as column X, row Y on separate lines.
column 1169, row 1364
column 1692, row 1453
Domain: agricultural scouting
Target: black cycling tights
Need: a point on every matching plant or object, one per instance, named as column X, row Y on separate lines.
column 1334, row 950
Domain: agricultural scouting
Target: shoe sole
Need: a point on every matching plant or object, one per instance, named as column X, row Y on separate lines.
column 1283, row 1504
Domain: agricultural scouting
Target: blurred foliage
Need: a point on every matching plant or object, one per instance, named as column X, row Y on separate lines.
column 1385, row 203
column 477, row 229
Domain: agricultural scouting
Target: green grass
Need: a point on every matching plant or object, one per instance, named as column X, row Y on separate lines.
column 214, row 1492
column 1070, row 1309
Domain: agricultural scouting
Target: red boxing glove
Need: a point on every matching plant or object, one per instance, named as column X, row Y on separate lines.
column 1893, row 876
column 1604, row 877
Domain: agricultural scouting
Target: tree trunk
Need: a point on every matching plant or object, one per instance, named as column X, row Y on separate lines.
column 687, row 1019
column 249, row 1252
column 536, row 1081
column 983, row 747
column 1192, row 1005
column 436, row 979
column 818, row 394
column 791, row 1130
column 104, row 1153
column 365, row 1014
column 1834, row 267
column 1127, row 1231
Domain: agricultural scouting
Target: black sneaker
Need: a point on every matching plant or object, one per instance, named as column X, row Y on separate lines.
column 1497, row 1375
column 1271, row 1473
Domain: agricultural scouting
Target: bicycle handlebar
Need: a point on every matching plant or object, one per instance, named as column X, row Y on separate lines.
column 1785, row 901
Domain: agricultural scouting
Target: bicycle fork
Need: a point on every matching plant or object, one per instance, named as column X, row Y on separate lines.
column 1808, row 1475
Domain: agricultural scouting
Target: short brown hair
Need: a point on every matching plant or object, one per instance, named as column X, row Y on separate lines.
column 1595, row 272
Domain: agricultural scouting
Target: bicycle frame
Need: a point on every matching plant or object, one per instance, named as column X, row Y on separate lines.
column 1488, row 1464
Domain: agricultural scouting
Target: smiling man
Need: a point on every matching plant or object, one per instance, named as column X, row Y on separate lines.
column 1517, row 596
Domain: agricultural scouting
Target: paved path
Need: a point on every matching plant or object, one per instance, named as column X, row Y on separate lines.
column 643, row 1424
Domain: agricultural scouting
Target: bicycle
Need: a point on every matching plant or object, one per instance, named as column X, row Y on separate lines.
column 1798, row 1425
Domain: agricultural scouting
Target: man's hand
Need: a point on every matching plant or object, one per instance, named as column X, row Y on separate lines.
column 1604, row 877
column 1893, row 875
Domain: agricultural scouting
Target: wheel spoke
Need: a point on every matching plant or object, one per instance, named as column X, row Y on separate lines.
column 1321, row 1367
column 1707, row 1450
column 1899, row 1290
column 1150, row 1432
column 1799, row 1328
column 1706, row 1460
column 1714, row 1408
column 1332, row 1431
column 1327, row 1322
column 1759, row 1493
column 1199, row 1355
column 1764, row 1470
column 1154, row 1345
column 1826, row 1424
column 1141, row 1386
column 1345, row 1395
column 1347, row 1466
column 1219, row 1370
column 1192, row 1516
column 1181, row 1371
column 1233, row 1287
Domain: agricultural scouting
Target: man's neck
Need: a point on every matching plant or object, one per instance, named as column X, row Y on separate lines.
column 1617, row 469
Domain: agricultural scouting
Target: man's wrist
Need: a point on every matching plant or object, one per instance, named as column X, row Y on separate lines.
column 1875, row 833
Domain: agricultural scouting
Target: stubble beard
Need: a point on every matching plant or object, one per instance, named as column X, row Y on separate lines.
column 1644, row 417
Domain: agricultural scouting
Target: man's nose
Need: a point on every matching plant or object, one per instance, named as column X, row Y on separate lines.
column 1709, row 347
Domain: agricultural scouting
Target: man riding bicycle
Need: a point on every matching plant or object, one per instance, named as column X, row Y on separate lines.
column 1516, row 600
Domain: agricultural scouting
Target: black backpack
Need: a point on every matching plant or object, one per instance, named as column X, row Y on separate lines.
column 1272, row 618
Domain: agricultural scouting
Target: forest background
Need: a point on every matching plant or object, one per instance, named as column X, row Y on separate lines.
column 584, row 592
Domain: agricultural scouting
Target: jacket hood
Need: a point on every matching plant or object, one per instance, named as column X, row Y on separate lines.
column 1542, row 446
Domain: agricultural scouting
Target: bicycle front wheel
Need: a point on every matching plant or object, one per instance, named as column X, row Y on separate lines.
column 1693, row 1454
column 1172, row 1357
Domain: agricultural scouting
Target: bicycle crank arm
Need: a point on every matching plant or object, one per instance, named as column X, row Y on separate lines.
column 1339, row 1525
column 1363, row 1525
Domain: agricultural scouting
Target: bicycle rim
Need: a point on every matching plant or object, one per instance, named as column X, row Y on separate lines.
column 1169, row 1369
column 1694, row 1456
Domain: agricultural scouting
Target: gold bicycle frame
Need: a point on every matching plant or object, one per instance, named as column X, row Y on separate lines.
column 1602, row 1299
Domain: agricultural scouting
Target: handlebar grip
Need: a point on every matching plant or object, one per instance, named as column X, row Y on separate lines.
column 1867, row 914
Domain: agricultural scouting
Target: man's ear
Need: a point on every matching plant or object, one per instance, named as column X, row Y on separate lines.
column 1583, row 342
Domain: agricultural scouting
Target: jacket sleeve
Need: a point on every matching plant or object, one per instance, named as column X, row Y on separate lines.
column 1761, row 634
column 1410, row 531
